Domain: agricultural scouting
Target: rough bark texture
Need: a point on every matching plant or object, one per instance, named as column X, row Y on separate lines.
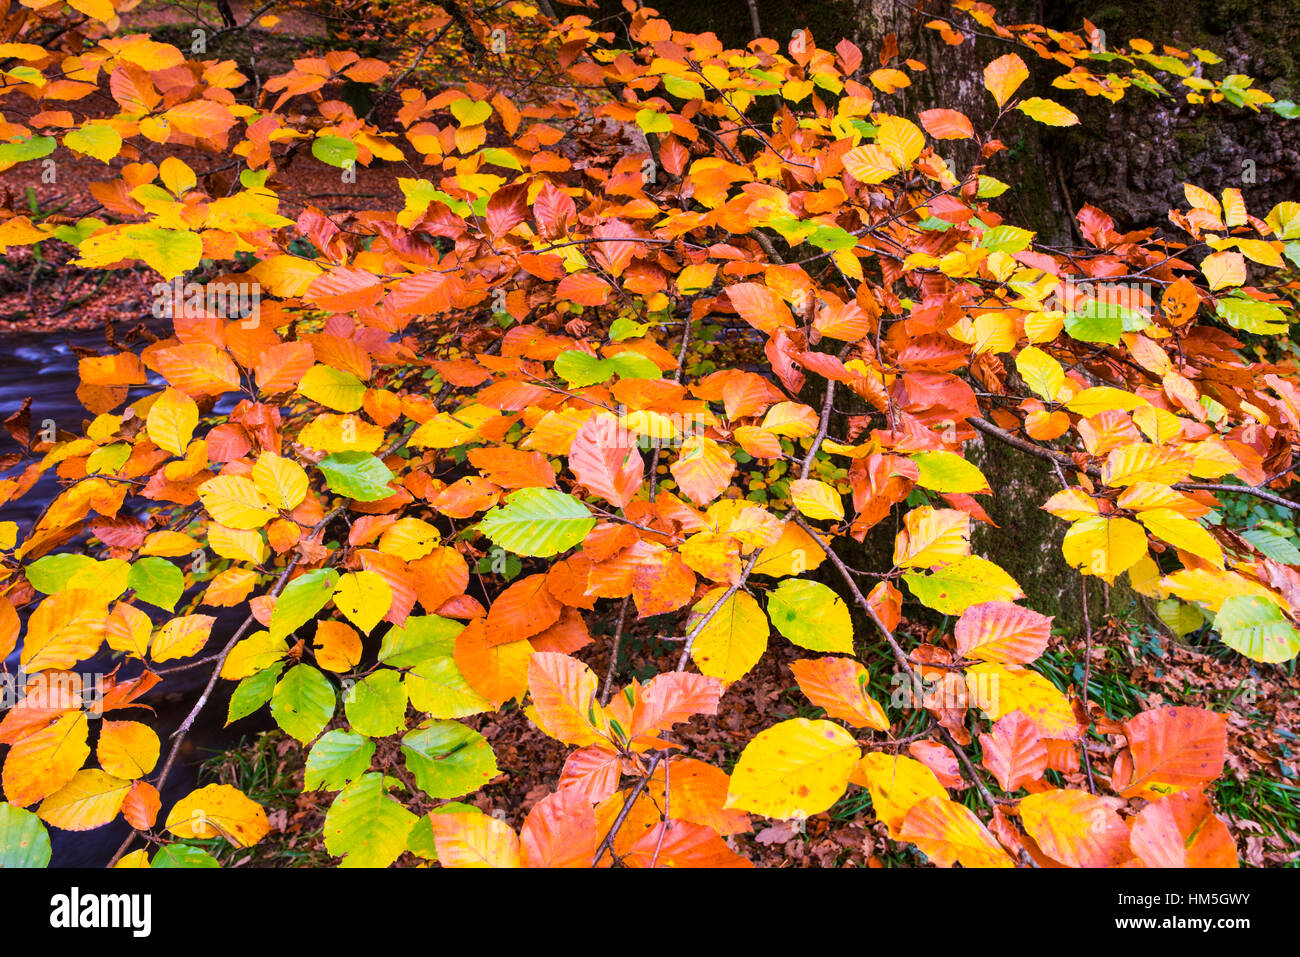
column 1128, row 158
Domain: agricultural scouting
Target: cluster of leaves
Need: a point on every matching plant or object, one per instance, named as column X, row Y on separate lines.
column 563, row 435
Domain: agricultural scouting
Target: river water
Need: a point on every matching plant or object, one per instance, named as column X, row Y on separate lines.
column 44, row 366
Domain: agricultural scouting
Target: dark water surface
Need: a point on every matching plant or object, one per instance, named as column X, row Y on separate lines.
column 44, row 366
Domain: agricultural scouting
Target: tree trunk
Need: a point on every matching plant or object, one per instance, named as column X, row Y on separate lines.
column 1129, row 159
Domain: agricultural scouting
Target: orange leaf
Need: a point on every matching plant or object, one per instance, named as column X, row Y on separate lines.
column 564, row 692
column 1002, row 631
column 1015, row 751
column 524, row 609
column 1003, row 77
column 839, row 685
column 1181, row 830
column 1076, row 828
column 1170, row 749
column 603, row 457
column 497, row 672
column 947, row 832
column 560, row 831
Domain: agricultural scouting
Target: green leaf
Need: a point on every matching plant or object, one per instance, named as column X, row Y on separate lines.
column 376, row 707
column 34, row 147
column 811, row 615
column 333, row 388
column 334, row 150
column 51, row 573
column 1272, row 545
column 831, row 238
column 1257, row 628
column 968, row 581
column 1251, row 315
column 990, row 188
column 1006, row 239
column 448, row 759
column 157, row 581
column 96, row 139
column 76, row 235
column 169, row 251
column 183, row 855
column 633, row 365
column 365, row 826
column 24, row 842
column 651, row 121
column 303, row 702
column 337, row 759
column 437, row 688
column 500, row 157
column 580, row 369
column 251, row 693
column 682, row 89
column 1285, row 109
column 1097, row 322
column 357, row 475
column 948, row 472
column 301, row 600
column 1181, row 617
column 418, row 639
column 538, row 522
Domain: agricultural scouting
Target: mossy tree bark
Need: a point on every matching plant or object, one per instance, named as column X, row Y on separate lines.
column 1128, row 158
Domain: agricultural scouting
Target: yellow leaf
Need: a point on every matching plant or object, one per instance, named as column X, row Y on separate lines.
column 91, row 799
column 234, row 500
column 1224, row 269
column 218, row 809
column 1104, row 546
column 127, row 749
column 1140, row 462
column 255, row 653
column 932, row 537
column 1182, row 532
column 870, row 164
column 282, row 482
column 474, row 840
column 733, row 640
column 333, row 388
column 409, row 539
column 129, row 630
column 65, row 628
column 900, row 138
column 896, row 783
column 364, row 598
column 816, row 499
column 244, row 545
column 1040, row 371
column 794, row 769
column 171, row 421
column 342, row 433
column 1076, row 828
column 42, row 762
column 181, row 637
column 1047, row 111
column 1071, row 504
column 794, row 553
column 1000, row 689
column 1103, row 398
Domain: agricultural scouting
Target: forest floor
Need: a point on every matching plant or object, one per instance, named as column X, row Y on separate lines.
column 1134, row 668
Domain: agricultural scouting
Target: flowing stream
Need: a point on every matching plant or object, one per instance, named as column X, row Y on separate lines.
column 44, row 366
